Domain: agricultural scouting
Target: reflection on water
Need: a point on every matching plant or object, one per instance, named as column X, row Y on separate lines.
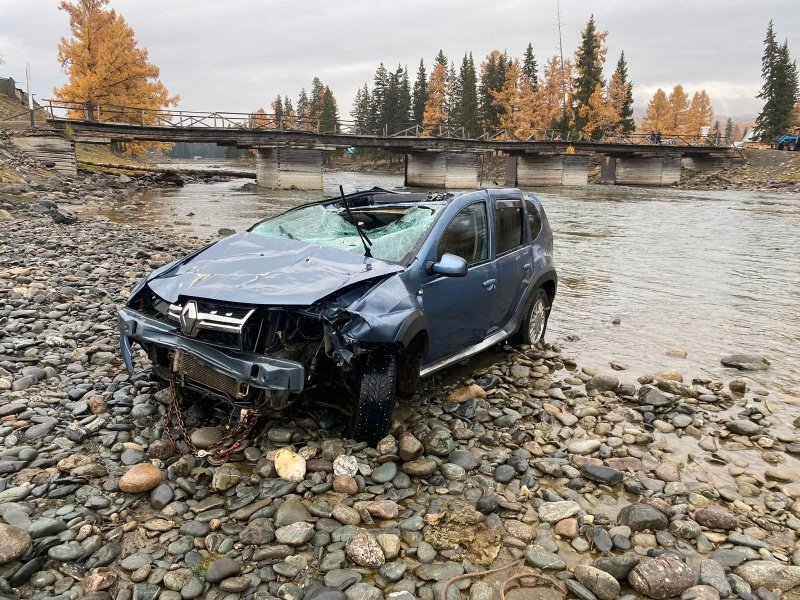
column 710, row 273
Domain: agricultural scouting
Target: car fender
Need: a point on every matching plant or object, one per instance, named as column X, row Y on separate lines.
column 388, row 313
column 414, row 324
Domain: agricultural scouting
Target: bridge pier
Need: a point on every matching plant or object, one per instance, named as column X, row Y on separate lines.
column 444, row 170
column 289, row 168
column 535, row 170
column 641, row 170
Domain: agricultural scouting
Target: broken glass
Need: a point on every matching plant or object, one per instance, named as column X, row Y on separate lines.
column 394, row 230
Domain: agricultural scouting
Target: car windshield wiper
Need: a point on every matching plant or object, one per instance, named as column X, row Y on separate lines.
column 358, row 224
column 283, row 230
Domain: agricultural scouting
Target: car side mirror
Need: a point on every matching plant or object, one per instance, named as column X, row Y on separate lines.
column 449, row 265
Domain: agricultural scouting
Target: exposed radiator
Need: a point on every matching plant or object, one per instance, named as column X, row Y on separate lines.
column 193, row 371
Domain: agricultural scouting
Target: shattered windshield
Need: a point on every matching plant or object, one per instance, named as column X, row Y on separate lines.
column 393, row 229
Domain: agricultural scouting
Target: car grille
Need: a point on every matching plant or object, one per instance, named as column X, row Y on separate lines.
column 195, row 373
column 215, row 324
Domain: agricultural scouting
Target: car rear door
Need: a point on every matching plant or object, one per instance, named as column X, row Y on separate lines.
column 513, row 259
column 458, row 308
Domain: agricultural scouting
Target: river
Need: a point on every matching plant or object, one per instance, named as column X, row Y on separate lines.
column 706, row 272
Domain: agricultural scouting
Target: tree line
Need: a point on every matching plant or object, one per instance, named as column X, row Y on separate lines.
column 504, row 94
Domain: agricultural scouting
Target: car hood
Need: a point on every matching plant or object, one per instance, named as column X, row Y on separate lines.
column 255, row 269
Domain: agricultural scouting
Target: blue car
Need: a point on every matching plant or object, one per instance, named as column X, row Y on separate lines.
column 366, row 292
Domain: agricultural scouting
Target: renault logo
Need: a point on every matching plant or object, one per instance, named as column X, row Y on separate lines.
column 189, row 318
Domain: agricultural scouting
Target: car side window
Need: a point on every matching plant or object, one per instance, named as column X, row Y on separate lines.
column 534, row 220
column 467, row 235
column 508, row 219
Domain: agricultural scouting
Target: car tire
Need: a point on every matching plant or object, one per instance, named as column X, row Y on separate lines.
column 372, row 414
column 791, row 147
column 780, row 146
column 534, row 324
column 408, row 366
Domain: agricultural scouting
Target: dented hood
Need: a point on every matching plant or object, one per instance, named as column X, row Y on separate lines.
column 255, row 269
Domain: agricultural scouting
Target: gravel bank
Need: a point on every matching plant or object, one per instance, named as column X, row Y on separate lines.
column 580, row 484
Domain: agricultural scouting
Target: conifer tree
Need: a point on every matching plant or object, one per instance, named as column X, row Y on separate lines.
column 779, row 90
column 105, row 64
column 289, row 114
column 302, row 104
column 380, row 85
column 465, row 110
column 658, row 112
column 529, row 66
column 435, row 109
column 548, row 100
column 441, row 59
column 729, row 130
column 420, row 95
column 277, row 111
column 589, row 59
column 700, row 113
column 361, row 109
column 329, row 113
column 403, row 98
column 678, row 111
column 493, row 78
column 599, row 114
column 620, row 96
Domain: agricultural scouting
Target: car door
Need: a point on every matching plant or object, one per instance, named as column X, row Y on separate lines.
column 458, row 308
column 513, row 260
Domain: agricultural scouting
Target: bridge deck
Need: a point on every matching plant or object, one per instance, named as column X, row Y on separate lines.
column 267, row 138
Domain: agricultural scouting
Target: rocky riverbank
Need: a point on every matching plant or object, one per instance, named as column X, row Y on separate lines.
column 534, row 475
column 763, row 171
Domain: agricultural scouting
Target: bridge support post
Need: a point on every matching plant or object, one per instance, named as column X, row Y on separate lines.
column 535, row 170
column 444, row 170
column 289, row 168
column 647, row 170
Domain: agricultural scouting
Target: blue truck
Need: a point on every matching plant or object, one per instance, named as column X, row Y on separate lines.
column 788, row 141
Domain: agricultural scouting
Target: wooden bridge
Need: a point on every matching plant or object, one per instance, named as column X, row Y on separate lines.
column 289, row 150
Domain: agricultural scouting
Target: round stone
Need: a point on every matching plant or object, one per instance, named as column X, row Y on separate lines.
column 141, row 477
column 14, row 543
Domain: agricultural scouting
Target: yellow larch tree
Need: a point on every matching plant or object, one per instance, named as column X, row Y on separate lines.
column 618, row 93
column 658, row 112
column 106, row 67
column 599, row 114
column 678, row 111
column 435, row 109
column 260, row 119
column 508, row 102
column 700, row 113
column 549, row 97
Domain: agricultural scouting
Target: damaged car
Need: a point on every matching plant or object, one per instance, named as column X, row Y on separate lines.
column 358, row 296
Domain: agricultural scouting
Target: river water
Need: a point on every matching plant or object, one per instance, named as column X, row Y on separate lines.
column 707, row 272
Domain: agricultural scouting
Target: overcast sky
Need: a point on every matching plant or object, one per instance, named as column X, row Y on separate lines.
column 237, row 55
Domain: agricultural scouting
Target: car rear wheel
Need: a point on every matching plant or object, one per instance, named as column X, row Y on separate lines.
column 534, row 324
column 791, row 147
column 376, row 396
column 780, row 146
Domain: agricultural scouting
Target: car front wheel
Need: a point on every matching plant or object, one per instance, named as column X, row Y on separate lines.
column 535, row 322
column 791, row 147
column 372, row 414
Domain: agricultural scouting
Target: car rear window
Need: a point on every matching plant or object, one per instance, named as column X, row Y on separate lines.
column 508, row 218
column 534, row 220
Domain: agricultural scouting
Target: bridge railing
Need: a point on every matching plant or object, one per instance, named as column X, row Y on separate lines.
column 259, row 120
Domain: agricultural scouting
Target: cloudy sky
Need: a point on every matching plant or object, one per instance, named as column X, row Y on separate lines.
column 236, row 55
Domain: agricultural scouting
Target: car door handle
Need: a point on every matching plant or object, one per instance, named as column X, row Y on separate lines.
column 527, row 267
column 489, row 284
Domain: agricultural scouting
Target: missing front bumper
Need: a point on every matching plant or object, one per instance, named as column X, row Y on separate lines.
column 254, row 370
